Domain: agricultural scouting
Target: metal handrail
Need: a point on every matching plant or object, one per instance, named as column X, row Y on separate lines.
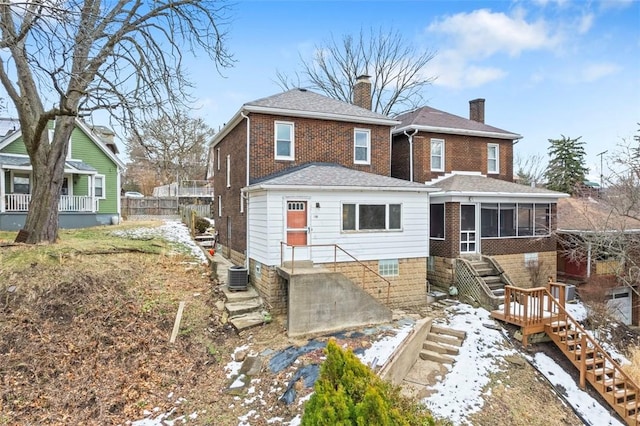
column 336, row 247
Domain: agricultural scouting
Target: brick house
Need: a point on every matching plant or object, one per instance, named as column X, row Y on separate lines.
column 301, row 169
column 478, row 210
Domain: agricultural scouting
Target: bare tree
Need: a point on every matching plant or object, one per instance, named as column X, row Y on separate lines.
column 171, row 146
column 530, row 170
column 610, row 237
column 66, row 59
column 397, row 69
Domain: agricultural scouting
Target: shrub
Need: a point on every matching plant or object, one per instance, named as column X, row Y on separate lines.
column 347, row 392
column 201, row 225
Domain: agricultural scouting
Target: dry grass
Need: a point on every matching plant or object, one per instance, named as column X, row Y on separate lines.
column 633, row 369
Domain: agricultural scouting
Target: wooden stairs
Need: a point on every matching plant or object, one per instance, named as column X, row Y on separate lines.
column 536, row 309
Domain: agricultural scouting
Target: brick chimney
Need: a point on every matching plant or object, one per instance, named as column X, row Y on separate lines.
column 476, row 110
column 362, row 92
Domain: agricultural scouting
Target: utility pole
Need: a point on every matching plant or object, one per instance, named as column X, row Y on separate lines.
column 601, row 174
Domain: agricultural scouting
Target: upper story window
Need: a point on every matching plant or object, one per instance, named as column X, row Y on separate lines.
column 284, row 147
column 228, row 171
column 493, row 158
column 362, row 146
column 218, row 157
column 437, row 155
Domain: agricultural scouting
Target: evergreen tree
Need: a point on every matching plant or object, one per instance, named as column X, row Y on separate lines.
column 566, row 169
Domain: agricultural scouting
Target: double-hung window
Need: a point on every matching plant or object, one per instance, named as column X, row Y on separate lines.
column 437, row 155
column 493, row 158
column 371, row 217
column 362, row 146
column 98, row 186
column 284, row 137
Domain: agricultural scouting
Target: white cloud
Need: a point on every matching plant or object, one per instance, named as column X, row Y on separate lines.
column 595, row 72
column 482, row 33
column 585, row 23
column 453, row 71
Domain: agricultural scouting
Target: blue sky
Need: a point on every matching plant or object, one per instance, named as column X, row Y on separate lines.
column 546, row 68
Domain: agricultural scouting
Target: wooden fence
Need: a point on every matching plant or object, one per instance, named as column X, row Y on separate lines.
column 149, row 206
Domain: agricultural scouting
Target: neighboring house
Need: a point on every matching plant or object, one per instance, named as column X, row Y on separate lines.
column 429, row 143
column 91, row 187
column 479, row 212
column 592, row 235
column 268, row 192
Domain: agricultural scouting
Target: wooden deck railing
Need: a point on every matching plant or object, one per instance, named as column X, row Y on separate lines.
column 543, row 309
column 336, row 248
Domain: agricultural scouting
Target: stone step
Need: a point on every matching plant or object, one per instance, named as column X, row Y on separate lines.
column 484, row 272
column 440, row 348
column 439, row 338
column 435, row 328
column 493, row 280
column 436, row 357
column 243, row 306
column 236, row 296
column 245, row 321
column 499, row 292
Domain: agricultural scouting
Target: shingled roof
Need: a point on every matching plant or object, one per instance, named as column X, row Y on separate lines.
column 586, row 214
column 332, row 176
column 429, row 119
column 476, row 184
column 307, row 103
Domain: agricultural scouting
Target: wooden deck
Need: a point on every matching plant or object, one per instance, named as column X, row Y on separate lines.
column 536, row 310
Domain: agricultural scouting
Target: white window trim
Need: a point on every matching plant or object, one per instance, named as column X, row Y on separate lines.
column 104, row 187
column 219, row 205
column 21, row 174
column 386, row 219
column 241, row 203
column 497, row 158
column 292, row 155
column 368, row 133
column 218, row 157
column 433, row 169
column 228, row 171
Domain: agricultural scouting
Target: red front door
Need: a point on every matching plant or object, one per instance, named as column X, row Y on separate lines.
column 297, row 229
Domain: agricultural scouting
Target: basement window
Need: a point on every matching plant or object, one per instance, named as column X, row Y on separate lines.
column 388, row 267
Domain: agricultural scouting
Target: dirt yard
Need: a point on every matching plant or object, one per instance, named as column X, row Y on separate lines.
column 84, row 339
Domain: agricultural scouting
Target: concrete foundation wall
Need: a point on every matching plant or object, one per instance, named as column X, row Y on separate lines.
column 328, row 303
column 515, row 267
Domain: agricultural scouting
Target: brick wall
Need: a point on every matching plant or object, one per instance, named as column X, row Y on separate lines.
column 462, row 153
column 515, row 267
column 450, row 246
column 316, row 141
column 406, row 290
column 234, row 145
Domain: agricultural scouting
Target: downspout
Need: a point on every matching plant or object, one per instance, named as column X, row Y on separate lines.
column 410, row 138
column 246, row 210
column 589, row 260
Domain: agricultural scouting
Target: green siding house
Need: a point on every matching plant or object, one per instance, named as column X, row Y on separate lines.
column 90, row 193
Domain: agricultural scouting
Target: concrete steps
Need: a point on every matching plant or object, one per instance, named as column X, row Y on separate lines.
column 244, row 309
column 442, row 344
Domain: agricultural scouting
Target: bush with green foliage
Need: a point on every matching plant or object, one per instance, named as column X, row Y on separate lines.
column 202, row 225
column 347, row 392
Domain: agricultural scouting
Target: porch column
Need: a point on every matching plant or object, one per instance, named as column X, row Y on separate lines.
column 2, row 202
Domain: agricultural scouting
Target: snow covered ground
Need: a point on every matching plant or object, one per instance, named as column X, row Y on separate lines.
column 484, row 349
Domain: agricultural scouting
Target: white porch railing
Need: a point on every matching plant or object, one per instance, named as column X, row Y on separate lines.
column 68, row 203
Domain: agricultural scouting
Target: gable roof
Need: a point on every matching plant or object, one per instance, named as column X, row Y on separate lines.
column 329, row 176
column 427, row 119
column 587, row 214
column 307, row 104
column 474, row 184
column 85, row 129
